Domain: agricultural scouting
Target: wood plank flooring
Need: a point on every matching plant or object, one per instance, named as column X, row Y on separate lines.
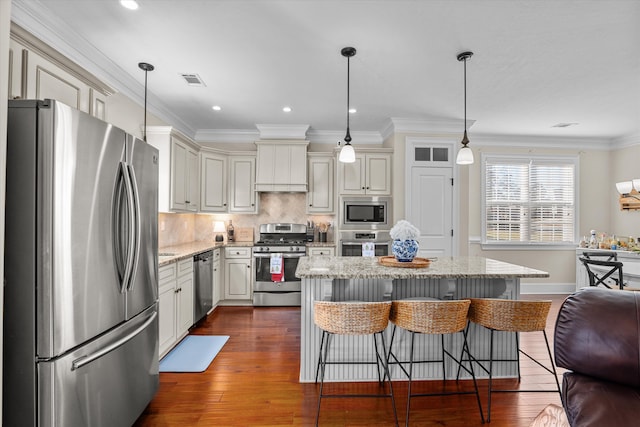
column 254, row 382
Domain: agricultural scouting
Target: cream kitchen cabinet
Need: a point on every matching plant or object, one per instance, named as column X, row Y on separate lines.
column 237, row 273
column 321, row 251
column 281, row 166
column 179, row 173
column 321, row 194
column 243, row 198
column 36, row 71
column 217, row 277
column 370, row 174
column 175, row 307
column 214, row 182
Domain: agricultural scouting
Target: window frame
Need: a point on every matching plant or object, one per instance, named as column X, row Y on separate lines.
column 530, row 245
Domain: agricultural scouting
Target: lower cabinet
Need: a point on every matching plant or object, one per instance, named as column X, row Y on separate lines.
column 175, row 303
column 323, row 251
column 237, row 273
column 217, row 277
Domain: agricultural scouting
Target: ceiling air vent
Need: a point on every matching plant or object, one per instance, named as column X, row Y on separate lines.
column 193, row 79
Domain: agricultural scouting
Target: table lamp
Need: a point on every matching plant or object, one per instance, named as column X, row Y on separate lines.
column 218, row 227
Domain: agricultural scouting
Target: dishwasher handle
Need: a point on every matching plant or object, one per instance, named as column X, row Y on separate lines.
column 204, row 256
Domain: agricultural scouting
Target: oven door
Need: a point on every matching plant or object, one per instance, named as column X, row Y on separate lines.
column 355, row 248
column 263, row 281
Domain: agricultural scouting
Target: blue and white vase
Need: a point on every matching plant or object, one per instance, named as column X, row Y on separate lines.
column 404, row 250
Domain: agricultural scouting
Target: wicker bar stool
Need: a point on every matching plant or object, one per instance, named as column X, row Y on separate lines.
column 511, row 316
column 353, row 318
column 436, row 318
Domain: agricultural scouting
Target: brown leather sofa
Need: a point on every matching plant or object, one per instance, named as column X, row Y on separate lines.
column 597, row 338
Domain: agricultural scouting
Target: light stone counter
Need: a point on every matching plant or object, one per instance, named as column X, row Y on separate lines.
column 169, row 254
column 445, row 267
column 364, row 279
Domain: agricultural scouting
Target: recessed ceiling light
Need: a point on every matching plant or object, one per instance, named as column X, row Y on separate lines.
column 352, row 110
column 286, row 109
column 564, row 125
column 216, row 108
column 129, row 4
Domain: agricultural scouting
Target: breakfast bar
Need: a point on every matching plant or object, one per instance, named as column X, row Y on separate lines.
column 365, row 279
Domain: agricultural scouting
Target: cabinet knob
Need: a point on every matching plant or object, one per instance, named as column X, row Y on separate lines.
column 187, row 202
column 310, row 204
column 363, row 188
column 252, row 204
column 224, row 204
column 367, row 188
column 248, row 266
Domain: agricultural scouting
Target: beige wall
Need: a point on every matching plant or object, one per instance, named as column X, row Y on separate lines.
column 624, row 167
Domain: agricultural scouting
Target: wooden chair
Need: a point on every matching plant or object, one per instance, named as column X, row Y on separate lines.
column 608, row 275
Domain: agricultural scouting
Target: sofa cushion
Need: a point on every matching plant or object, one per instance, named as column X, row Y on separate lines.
column 591, row 402
column 598, row 334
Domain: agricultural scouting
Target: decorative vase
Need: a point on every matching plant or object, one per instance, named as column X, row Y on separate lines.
column 404, row 250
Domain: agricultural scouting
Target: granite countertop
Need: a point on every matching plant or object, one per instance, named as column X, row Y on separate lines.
column 321, row 244
column 331, row 267
column 187, row 250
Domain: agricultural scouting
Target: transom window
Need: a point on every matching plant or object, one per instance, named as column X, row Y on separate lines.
column 529, row 200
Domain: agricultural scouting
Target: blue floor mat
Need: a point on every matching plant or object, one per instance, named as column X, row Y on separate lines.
column 194, row 353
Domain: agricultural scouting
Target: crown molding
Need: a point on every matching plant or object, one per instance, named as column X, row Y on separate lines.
column 32, row 16
column 625, row 141
column 332, row 137
column 539, row 141
column 273, row 131
column 226, row 135
column 431, row 125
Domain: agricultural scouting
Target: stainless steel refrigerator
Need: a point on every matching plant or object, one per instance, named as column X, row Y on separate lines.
column 81, row 290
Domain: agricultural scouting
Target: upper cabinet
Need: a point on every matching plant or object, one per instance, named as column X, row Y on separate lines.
column 281, row 166
column 242, row 179
column 36, row 71
column 320, row 197
column 369, row 174
column 213, row 182
column 179, row 176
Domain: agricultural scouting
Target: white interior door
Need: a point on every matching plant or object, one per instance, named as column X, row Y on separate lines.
column 431, row 209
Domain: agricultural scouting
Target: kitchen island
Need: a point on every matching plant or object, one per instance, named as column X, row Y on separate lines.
column 364, row 279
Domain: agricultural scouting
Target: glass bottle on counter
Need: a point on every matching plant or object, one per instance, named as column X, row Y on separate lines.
column 230, row 236
column 593, row 241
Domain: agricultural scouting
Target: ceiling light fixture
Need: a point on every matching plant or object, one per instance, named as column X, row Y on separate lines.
column 465, row 155
column 286, row 109
column 146, row 67
column 352, row 110
column 216, row 108
column 347, row 153
column 129, row 4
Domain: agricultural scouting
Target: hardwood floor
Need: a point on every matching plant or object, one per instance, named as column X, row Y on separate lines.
column 254, row 382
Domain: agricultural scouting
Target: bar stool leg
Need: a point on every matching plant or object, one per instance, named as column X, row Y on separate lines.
column 465, row 348
column 320, row 355
column 490, row 374
column 323, row 364
column 375, row 347
column 518, row 354
column 553, row 366
column 387, row 375
column 413, row 334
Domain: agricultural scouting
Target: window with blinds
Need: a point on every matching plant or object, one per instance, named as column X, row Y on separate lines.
column 529, row 200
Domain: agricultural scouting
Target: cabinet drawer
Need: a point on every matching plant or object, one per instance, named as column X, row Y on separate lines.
column 321, row 251
column 185, row 266
column 167, row 273
column 237, row 252
column 216, row 255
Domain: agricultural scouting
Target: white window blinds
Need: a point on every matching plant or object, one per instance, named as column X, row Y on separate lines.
column 529, row 200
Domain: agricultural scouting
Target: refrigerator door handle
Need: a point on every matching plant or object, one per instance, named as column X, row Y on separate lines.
column 84, row 360
column 128, row 266
column 136, row 225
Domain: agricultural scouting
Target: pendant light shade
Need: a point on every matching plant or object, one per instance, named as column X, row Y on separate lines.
column 465, row 155
column 347, row 153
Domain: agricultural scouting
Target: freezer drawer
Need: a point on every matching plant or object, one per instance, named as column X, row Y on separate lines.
column 111, row 390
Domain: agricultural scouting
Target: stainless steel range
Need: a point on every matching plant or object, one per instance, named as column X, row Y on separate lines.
column 278, row 241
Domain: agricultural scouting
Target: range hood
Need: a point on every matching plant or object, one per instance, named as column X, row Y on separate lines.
column 281, row 166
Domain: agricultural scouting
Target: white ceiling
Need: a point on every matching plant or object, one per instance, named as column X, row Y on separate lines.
column 536, row 63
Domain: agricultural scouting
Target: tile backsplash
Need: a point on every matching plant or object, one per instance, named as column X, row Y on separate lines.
column 175, row 229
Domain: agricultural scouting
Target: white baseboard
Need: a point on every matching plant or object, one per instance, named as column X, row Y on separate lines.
column 547, row 288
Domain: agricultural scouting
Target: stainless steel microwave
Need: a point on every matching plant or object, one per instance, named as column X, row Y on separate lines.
column 364, row 213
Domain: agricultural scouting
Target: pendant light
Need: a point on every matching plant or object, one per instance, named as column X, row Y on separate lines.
column 465, row 155
column 347, row 153
column 146, row 67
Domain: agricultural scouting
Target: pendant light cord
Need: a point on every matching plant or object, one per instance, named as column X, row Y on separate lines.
column 348, row 136
column 145, row 105
column 465, row 94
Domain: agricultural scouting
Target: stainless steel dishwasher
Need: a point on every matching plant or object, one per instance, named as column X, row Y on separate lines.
column 203, row 295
